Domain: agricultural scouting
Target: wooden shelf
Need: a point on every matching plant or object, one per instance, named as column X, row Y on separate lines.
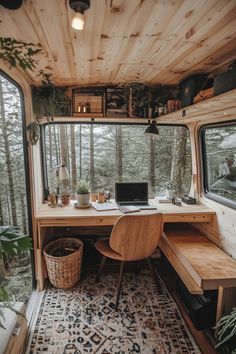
column 221, row 107
column 88, row 115
column 218, row 108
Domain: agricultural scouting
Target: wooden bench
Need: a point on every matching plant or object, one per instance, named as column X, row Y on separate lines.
column 200, row 264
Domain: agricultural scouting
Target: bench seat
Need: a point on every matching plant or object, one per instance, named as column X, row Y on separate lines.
column 198, row 261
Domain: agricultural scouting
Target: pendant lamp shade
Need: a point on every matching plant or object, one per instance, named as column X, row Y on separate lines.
column 63, row 173
column 152, row 129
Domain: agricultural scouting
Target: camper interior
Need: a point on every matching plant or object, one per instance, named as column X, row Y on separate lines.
column 118, row 176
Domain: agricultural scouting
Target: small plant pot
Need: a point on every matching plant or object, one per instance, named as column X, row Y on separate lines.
column 65, row 199
column 83, row 199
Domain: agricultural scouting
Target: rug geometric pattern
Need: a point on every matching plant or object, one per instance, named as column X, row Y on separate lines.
column 83, row 320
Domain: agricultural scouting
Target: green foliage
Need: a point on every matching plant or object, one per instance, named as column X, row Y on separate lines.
column 227, row 330
column 12, row 241
column 83, row 187
column 170, row 186
column 49, row 100
column 19, row 53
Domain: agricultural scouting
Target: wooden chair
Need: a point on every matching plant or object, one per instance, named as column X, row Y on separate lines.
column 133, row 238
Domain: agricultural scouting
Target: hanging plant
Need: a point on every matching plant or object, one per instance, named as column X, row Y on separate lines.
column 50, row 101
column 19, row 53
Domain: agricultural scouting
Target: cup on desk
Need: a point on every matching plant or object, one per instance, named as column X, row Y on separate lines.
column 101, row 197
column 52, row 200
column 93, row 197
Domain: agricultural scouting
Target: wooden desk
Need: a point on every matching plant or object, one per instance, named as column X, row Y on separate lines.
column 69, row 216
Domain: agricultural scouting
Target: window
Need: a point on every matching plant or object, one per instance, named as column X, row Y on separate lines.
column 219, row 153
column 104, row 154
column 15, row 271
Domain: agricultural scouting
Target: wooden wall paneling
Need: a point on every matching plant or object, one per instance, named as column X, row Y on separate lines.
column 190, row 31
column 149, row 41
column 209, row 45
column 209, row 34
column 223, row 230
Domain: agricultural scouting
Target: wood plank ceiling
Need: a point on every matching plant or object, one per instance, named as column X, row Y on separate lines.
column 149, row 41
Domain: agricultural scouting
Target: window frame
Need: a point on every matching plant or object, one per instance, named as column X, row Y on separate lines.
column 94, row 122
column 27, row 171
column 203, row 160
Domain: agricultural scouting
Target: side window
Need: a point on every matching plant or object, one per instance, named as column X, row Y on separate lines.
column 219, row 155
column 15, row 270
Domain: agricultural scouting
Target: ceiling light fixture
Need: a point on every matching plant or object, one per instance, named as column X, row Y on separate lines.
column 79, row 7
column 152, row 129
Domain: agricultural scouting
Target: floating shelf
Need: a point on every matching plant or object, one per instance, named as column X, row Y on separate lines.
column 221, row 107
column 217, row 107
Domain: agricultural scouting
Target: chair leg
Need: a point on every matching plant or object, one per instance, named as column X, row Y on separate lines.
column 152, row 270
column 119, row 285
column 100, row 268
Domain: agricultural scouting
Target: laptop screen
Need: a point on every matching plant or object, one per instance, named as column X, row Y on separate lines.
column 131, row 192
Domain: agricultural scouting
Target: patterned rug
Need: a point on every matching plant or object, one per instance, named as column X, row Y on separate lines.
column 82, row 320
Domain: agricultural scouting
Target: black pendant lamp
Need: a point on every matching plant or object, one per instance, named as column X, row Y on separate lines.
column 11, row 4
column 152, row 129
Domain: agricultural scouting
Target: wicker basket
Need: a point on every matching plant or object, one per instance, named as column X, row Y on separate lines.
column 64, row 270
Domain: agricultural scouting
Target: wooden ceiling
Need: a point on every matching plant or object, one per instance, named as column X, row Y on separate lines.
column 149, row 41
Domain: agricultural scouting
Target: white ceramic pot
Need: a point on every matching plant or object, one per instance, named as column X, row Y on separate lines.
column 83, row 198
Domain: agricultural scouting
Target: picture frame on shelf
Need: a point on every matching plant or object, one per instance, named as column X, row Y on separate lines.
column 88, row 102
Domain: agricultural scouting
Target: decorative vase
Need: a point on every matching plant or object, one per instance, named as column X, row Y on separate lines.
column 83, row 198
column 169, row 193
column 65, row 199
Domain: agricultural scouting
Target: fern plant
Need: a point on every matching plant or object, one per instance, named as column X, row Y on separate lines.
column 83, row 187
column 12, row 243
column 227, row 333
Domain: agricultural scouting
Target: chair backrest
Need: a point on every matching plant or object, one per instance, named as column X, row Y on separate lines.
column 136, row 237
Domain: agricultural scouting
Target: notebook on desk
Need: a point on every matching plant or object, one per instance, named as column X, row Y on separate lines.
column 133, row 194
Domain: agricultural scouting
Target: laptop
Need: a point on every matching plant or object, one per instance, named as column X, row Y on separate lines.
column 133, row 194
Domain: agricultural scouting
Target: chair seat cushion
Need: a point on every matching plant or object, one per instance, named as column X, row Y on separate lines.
column 103, row 247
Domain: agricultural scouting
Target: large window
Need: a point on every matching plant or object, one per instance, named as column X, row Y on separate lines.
column 219, row 150
column 105, row 154
column 15, row 271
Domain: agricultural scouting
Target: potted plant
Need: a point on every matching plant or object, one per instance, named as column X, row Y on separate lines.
column 83, row 193
column 12, row 243
column 227, row 333
column 170, row 191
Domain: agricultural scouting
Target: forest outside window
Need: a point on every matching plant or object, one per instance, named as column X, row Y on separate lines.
column 104, row 154
column 219, row 146
column 15, row 270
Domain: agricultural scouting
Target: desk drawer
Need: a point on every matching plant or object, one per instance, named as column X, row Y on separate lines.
column 82, row 221
column 188, row 217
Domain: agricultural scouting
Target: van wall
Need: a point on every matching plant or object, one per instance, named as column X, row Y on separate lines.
column 222, row 231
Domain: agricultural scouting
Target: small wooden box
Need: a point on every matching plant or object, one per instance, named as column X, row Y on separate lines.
column 88, row 103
